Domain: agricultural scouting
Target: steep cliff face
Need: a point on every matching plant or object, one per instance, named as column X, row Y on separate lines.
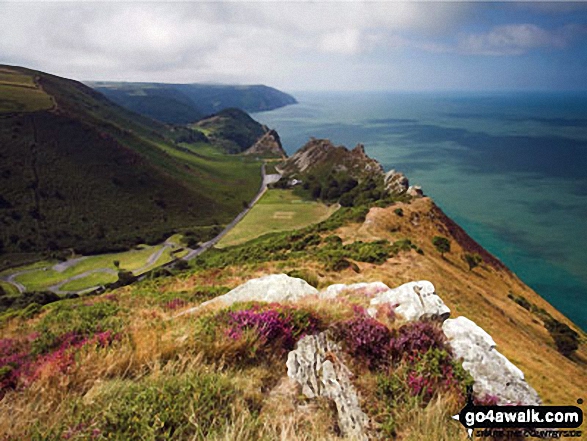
column 321, row 157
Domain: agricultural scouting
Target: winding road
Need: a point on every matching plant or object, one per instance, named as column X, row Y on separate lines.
column 153, row 258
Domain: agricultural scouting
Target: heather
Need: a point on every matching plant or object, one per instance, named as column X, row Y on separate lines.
column 253, row 332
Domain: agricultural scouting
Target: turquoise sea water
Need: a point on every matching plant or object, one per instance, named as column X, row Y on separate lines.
column 509, row 168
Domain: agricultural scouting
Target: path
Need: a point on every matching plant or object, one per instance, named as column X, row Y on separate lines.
column 266, row 180
column 155, row 257
column 57, row 287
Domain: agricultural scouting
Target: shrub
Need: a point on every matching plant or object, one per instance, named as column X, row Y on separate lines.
column 307, row 275
column 565, row 339
column 252, row 332
column 442, row 244
column 416, row 338
column 276, row 325
column 473, row 260
column 520, row 300
column 365, row 339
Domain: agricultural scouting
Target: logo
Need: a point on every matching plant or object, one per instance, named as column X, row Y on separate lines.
column 527, row 418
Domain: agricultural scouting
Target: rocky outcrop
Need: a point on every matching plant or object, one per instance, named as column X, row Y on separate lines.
column 272, row 288
column 415, row 191
column 493, row 373
column 320, row 156
column 269, row 145
column 413, row 301
column 396, row 182
column 316, row 365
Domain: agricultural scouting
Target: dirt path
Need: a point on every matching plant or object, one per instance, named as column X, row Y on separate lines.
column 11, row 279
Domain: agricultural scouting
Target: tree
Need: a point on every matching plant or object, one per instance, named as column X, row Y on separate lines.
column 442, row 244
column 473, row 260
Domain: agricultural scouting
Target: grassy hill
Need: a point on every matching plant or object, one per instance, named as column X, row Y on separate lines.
column 120, row 366
column 232, row 129
column 79, row 172
column 186, row 103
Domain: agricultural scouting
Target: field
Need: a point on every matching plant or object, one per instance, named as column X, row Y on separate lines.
column 91, row 271
column 21, row 94
column 277, row 210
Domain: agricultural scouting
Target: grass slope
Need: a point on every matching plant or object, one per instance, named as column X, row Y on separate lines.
column 277, row 210
column 89, row 175
column 119, row 366
column 232, row 129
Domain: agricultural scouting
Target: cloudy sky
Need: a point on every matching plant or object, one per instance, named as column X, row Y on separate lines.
column 305, row 45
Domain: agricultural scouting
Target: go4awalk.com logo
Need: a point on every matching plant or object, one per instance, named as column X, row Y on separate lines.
column 520, row 421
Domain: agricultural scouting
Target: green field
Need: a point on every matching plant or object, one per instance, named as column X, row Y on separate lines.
column 42, row 275
column 95, row 279
column 20, row 93
column 278, row 210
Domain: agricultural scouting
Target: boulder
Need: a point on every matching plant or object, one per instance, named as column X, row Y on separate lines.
column 272, row 288
column 493, row 373
column 317, row 367
column 413, row 301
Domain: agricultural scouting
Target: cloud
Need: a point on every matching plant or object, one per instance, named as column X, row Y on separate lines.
column 292, row 45
column 517, row 39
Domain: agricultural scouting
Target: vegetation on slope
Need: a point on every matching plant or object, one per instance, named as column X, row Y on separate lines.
column 186, row 103
column 116, row 367
column 90, row 176
column 232, row 129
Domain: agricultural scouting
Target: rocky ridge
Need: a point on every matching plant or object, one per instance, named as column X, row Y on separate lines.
column 322, row 156
column 317, row 362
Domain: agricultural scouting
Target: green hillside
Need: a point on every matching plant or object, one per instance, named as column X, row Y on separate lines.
column 79, row 172
column 186, row 103
column 231, row 129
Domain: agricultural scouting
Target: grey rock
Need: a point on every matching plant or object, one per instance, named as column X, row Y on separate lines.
column 413, row 301
column 272, row 288
column 415, row 191
column 316, row 365
column 396, row 182
column 493, row 373
column 368, row 289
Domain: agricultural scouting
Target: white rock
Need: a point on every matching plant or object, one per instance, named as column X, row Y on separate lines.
column 368, row 289
column 493, row 373
column 316, row 365
column 413, row 301
column 272, row 288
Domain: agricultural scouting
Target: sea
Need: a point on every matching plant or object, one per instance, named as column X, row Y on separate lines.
column 510, row 168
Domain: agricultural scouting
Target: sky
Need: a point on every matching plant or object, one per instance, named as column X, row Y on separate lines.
column 295, row 46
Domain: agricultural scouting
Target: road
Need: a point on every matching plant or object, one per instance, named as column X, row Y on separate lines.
column 62, row 266
column 267, row 179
